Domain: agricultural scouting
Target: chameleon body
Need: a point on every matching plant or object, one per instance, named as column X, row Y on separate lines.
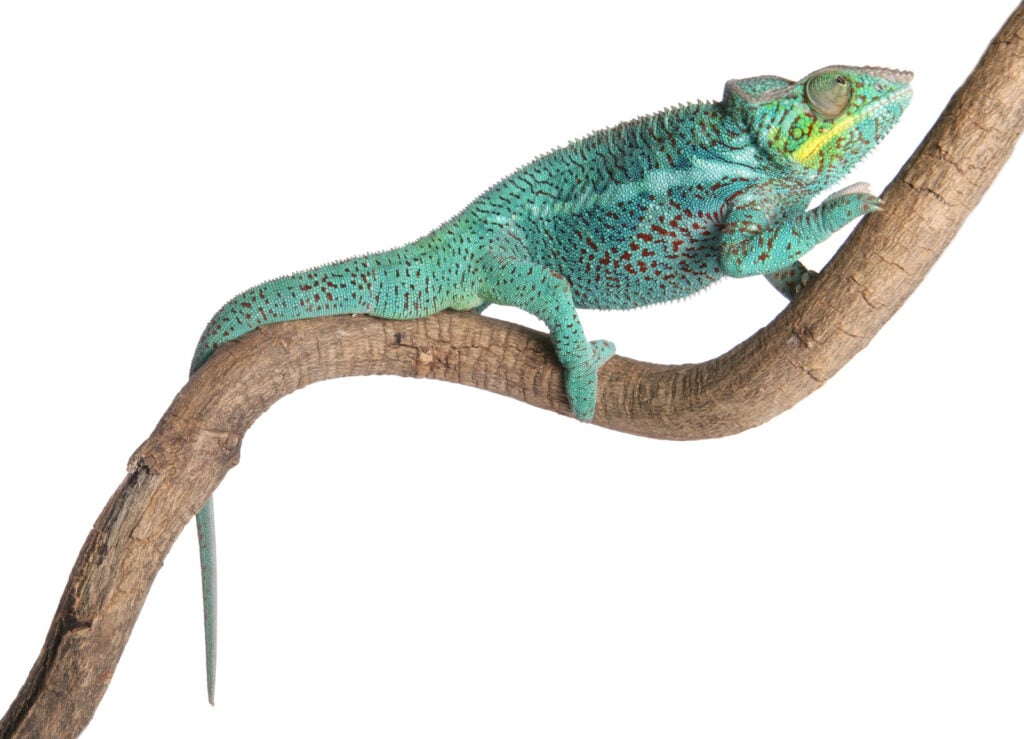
column 648, row 211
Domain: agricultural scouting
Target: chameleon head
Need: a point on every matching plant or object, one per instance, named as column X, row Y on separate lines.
column 825, row 123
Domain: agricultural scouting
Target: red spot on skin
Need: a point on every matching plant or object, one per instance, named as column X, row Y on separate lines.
column 304, row 288
column 591, row 244
column 660, row 230
column 606, row 259
column 643, row 237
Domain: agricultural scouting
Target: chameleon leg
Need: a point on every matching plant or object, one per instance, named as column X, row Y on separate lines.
column 208, row 564
column 759, row 239
column 536, row 289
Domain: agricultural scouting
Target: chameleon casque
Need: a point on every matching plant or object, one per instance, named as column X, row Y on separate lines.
column 647, row 211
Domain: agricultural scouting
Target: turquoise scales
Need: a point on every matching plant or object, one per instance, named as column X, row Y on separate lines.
column 645, row 212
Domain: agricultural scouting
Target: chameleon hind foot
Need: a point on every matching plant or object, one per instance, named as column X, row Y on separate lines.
column 581, row 378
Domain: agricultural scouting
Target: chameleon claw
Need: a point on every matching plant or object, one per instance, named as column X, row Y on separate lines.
column 805, row 281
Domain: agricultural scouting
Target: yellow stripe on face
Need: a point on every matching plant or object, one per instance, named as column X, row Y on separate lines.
column 807, row 152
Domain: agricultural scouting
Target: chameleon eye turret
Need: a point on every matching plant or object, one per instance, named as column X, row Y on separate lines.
column 829, row 94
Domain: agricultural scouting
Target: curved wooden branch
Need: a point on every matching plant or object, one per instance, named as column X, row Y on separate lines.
column 197, row 441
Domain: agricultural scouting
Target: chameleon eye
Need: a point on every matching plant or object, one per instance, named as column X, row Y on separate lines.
column 829, row 93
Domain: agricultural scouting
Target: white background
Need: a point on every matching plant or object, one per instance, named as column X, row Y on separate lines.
column 404, row 558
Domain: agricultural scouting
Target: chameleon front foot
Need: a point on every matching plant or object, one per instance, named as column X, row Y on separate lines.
column 851, row 202
column 792, row 279
column 581, row 378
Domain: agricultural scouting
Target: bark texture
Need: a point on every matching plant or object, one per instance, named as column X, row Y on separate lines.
column 197, row 441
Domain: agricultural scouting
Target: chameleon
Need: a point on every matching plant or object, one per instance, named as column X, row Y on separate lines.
column 647, row 211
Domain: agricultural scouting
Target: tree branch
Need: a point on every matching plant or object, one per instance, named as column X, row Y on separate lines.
column 197, row 441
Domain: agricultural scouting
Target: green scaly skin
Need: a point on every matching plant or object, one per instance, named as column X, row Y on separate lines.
column 645, row 212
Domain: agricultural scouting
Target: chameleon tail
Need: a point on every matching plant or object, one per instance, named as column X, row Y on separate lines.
column 208, row 564
column 419, row 279
column 349, row 286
